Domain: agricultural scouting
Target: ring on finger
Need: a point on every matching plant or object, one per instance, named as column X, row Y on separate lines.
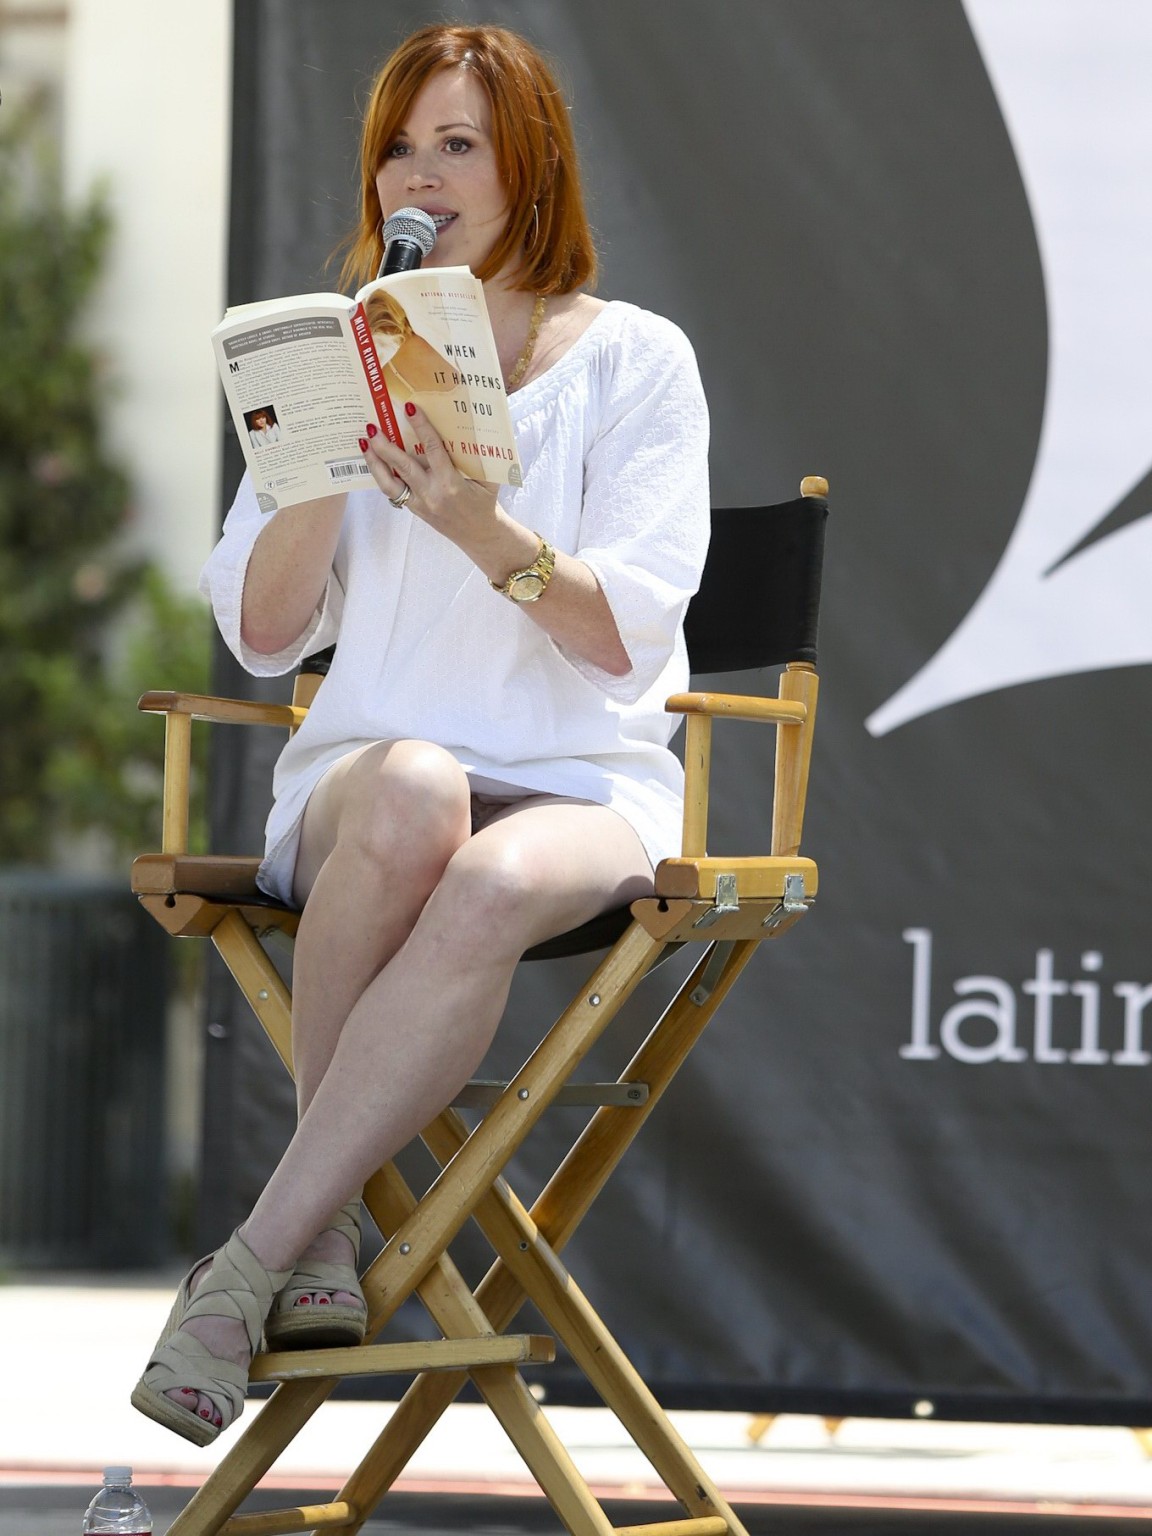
column 401, row 500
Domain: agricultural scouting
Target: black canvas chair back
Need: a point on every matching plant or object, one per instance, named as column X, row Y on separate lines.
column 759, row 598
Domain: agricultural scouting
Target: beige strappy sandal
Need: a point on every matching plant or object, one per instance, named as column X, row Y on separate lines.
column 237, row 1286
column 320, row 1325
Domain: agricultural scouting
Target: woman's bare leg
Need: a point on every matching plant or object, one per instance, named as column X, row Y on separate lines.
column 378, row 833
column 423, row 1024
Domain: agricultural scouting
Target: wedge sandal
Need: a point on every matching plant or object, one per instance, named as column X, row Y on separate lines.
column 296, row 1322
column 237, row 1286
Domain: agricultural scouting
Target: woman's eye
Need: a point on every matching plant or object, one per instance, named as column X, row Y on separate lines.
column 396, row 151
column 456, row 146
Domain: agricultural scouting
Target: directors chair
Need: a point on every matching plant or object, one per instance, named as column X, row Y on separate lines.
column 757, row 607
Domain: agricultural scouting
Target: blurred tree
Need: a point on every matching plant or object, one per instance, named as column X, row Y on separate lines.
column 84, row 626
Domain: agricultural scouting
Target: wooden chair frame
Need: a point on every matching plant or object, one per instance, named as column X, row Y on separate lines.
column 725, row 905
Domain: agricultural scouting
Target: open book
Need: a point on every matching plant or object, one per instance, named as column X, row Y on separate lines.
column 303, row 376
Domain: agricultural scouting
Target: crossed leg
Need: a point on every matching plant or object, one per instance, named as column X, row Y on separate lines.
column 411, row 931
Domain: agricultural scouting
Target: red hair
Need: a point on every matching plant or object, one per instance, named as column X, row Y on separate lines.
column 547, row 237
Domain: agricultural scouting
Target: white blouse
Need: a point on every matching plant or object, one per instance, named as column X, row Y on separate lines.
column 613, row 442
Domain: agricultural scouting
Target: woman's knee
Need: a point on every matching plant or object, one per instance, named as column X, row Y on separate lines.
column 492, row 888
column 405, row 799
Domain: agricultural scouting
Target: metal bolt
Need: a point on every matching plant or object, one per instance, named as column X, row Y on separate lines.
column 405, row 1247
column 523, row 1247
column 594, row 1000
column 523, row 1094
column 263, row 994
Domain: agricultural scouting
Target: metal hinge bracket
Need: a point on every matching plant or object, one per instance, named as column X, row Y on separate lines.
column 727, row 901
column 793, row 903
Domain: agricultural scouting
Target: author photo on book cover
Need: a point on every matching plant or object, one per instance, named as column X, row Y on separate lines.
column 263, row 428
column 487, row 763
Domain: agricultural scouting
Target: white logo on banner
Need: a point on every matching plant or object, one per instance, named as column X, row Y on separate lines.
column 1072, row 83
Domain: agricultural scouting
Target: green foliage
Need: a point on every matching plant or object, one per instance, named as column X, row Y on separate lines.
column 105, row 767
column 83, row 627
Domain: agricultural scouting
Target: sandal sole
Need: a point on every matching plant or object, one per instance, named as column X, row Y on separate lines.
column 162, row 1410
column 346, row 1327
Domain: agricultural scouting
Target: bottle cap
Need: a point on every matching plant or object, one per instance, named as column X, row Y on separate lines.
column 113, row 1475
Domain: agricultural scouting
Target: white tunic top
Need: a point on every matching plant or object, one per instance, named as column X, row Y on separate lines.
column 613, row 442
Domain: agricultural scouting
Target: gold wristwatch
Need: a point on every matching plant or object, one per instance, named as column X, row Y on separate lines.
column 527, row 585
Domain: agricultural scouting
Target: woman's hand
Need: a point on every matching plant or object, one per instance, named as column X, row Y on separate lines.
column 573, row 609
column 430, row 486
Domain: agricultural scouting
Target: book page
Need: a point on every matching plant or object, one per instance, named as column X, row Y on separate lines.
column 299, row 397
column 434, row 344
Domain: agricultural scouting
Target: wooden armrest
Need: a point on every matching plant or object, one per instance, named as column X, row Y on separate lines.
column 179, row 710
column 795, row 706
column 201, row 706
column 737, row 706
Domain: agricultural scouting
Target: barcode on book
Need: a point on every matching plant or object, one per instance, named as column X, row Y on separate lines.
column 347, row 469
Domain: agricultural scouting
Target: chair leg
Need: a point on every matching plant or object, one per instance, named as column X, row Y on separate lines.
column 568, row 1313
column 457, row 1313
column 557, row 1212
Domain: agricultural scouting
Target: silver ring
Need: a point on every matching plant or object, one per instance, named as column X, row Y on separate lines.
column 401, row 500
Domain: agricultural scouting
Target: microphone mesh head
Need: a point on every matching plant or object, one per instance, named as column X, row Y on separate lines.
column 410, row 224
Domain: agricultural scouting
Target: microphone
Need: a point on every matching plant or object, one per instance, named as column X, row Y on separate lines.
column 409, row 234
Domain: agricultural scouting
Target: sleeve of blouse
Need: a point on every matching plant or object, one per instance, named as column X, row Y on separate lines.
column 222, row 582
column 645, row 520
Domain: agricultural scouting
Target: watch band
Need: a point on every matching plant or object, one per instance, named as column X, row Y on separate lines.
column 528, row 585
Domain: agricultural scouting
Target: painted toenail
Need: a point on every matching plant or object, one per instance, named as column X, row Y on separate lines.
column 304, row 1301
column 205, row 1413
column 323, row 1301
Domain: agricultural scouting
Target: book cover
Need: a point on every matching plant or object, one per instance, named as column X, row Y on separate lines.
column 303, row 375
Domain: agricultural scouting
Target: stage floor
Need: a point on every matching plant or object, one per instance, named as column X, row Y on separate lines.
column 60, row 1427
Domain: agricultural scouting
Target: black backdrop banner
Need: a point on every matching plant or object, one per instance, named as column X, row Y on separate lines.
column 909, row 1162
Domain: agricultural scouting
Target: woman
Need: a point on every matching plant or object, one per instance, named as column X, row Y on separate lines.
column 486, row 764
column 263, row 429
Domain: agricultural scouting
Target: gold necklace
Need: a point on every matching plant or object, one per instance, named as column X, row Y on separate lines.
column 522, row 362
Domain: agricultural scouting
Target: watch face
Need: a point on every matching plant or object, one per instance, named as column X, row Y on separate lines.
column 526, row 588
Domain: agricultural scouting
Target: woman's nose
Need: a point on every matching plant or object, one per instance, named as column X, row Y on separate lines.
column 421, row 172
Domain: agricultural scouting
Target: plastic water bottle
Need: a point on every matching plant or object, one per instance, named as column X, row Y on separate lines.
column 117, row 1510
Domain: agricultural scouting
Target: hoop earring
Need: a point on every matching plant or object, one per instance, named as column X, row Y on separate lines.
column 530, row 243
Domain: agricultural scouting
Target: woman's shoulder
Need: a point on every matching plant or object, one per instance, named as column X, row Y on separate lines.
column 612, row 349
column 639, row 350
column 636, row 338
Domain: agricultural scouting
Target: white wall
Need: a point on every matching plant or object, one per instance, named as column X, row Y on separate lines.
column 146, row 104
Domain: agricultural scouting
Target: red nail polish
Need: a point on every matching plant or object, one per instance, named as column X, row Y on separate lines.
column 323, row 1301
column 363, row 441
column 371, row 429
column 409, row 408
column 304, row 1301
column 205, row 1413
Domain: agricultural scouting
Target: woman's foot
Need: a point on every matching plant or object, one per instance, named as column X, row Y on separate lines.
column 331, row 1247
column 224, row 1338
column 322, row 1305
column 196, row 1379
